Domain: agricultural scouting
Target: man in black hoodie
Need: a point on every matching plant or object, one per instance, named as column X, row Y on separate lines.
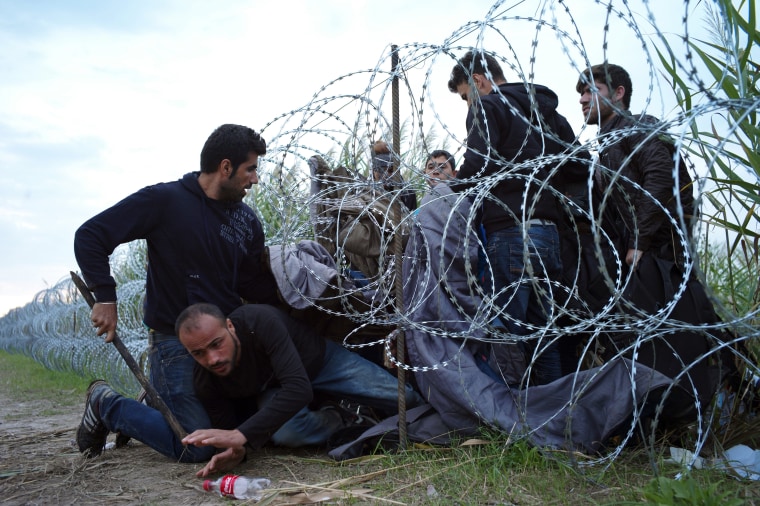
column 204, row 245
column 509, row 126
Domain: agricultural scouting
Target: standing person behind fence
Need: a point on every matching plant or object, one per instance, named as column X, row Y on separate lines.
column 204, row 244
column 500, row 144
column 650, row 218
column 635, row 158
column 385, row 171
column 440, row 168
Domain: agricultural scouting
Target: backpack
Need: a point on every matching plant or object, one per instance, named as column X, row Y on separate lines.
column 695, row 356
column 360, row 220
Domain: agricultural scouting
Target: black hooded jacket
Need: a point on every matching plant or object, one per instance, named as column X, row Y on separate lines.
column 505, row 137
column 199, row 250
column 276, row 351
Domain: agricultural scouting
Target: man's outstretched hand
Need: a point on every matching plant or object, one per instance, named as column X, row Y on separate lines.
column 231, row 440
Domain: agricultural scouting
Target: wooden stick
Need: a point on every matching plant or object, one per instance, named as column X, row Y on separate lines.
column 155, row 400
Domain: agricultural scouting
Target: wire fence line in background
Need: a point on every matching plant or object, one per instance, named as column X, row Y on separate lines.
column 298, row 202
column 55, row 330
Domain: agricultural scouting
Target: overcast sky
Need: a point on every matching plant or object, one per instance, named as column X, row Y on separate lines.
column 99, row 98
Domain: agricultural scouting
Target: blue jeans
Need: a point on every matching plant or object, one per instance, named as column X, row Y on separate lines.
column 171, row 374
column 522, row 295
column 344, row 375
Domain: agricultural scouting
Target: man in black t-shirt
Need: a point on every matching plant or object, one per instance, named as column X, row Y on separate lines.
column 256, row 375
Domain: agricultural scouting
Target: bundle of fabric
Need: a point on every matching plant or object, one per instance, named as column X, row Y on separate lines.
column 355, row 219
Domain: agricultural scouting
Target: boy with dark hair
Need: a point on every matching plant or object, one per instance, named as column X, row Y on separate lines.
column 613, row 77
column 440, row 167
column 471, row 64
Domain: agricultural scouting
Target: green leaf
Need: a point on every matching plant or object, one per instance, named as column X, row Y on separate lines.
column 679, row 85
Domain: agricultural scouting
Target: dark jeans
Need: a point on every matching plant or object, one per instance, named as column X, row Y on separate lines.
column 171, row 374
column 520, row 274
column 344, row 375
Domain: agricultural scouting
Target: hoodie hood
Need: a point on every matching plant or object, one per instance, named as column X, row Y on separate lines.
column 546, row 99
column 190, row 182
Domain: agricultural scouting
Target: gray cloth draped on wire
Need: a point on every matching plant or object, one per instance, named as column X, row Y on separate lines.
column 580, row 411
column 303, row 272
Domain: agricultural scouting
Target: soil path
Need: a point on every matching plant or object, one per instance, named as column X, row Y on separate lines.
column 40, row 464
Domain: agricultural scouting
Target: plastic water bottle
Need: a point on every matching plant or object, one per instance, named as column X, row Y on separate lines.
column 237, row 487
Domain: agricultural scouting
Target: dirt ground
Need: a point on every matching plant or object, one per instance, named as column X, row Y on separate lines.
column 40, row 464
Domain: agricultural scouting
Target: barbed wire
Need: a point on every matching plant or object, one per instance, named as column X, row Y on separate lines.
column 305, row 196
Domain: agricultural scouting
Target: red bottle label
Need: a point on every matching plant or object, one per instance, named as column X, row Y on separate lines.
column 227, row 486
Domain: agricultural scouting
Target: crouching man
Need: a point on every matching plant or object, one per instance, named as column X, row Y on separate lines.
column 256, row 373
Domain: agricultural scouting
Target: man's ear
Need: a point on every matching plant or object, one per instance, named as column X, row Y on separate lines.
column 225, row 166
column 617, row 97
column 483, row 85
column 480, row 83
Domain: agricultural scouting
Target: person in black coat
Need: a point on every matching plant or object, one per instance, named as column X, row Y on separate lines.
column 649, row 215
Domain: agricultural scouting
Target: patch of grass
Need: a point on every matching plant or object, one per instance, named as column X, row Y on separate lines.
column 687, row 490
column 495, row 471
column 491, row 470
column 24, row 379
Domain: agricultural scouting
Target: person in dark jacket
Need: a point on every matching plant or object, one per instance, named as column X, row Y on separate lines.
column 649, row 214
column 505, row 134
column 256, row 373
column 636, row 160
column 204, row 245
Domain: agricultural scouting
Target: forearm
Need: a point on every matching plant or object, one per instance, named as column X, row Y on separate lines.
column 273, row 414
column 92, row 256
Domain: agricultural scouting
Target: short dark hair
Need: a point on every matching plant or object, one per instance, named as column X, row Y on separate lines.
column 233, row 142
column 474, row 62
column 611, row 75
column 444, row 153
column 188, row 318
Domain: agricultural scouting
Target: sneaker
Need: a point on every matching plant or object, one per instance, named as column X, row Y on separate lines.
column 352, row 414
column 360, row 414
column 92, row 432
